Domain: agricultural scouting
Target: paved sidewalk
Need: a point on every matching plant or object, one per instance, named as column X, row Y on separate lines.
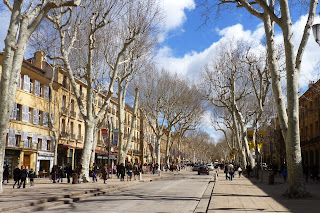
column 249, row 195
column 44, row 191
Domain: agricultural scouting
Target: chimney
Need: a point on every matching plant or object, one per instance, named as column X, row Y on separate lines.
column 39, row 57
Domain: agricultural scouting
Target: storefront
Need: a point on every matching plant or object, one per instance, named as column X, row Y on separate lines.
column 44, row 163
column 12, row 158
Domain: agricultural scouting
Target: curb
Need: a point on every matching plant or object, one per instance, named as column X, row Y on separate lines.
column 204, row 202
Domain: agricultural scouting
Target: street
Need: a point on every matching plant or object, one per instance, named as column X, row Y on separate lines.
column 180, row 193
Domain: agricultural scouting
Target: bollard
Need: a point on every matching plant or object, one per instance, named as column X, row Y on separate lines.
column 215, row 177
column 140, row 176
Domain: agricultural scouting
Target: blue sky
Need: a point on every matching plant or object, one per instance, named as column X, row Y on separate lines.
column 186, row 47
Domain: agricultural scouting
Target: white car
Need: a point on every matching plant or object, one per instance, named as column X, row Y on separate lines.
column 210, row 167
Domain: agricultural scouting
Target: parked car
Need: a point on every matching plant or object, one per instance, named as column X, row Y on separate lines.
column 210, row 166
column 203, row 169
column 196, row 167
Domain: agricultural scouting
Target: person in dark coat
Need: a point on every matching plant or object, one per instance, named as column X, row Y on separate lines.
column 16, row 176
column 60, row 174
column 68, row 171
column 5, row 173
column 104, row 173
column 121, row 170
column 54, row 173
column 31, row 175
column 23, row 177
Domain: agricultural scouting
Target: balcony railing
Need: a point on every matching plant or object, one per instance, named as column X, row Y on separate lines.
column 73, row 114
column 80, row 138
column 63, row 134
column 72, row 136
column 64, row 110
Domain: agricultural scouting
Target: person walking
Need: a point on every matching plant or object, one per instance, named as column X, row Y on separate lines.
column 231, row 171
column 54, row 174
column 94, row 172
column 104, row 173
column 60, row 174
column 249, row 169
column 226, row 171
column 23, row 177
column 239, row 171
column 31, row 175
column 5, row 173
column 68, row 171
column 16, row 176
column 121, row 171
column 129, row 171
column 284, row 174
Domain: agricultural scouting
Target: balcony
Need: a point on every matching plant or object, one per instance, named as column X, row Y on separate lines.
column 137, row 152
column 72, row 136
column 80, row 138
column 63, row 135
column 73, row 114
column 63, row 110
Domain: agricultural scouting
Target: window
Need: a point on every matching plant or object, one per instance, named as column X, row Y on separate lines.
column 64, row 82
column 17, row 140
column 30, row 115
column 31, row 86
column 39, row 144
column 63, row 125
column 48, row 145
column 29, row 143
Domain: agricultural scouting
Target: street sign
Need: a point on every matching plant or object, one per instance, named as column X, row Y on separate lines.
column 104, row 132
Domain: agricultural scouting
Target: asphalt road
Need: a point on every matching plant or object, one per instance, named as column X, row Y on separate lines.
column 180, row 193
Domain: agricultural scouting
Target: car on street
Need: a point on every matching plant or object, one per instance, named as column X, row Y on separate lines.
column 203, row 170
column 210, row 166
column 196, row 167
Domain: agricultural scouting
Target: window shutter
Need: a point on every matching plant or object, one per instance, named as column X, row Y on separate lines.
column 45, row 119
column 37, row 88
column 26, row 83
column 25, row 113
column 46, row 92
column 36, row 116
column 44, row 143
column 34, row 138
column 12, row 138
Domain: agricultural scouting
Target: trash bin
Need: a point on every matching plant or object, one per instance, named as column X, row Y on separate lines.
column 74, row 178
column 271, row 178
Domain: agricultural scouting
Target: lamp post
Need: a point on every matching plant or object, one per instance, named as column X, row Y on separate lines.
column 316, row 32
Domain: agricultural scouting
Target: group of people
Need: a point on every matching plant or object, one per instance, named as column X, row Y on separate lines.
column 229, row 170
column 57, row 173
column 20, row 176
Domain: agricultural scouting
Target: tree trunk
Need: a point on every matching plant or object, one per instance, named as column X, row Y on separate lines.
column 159, row 153
column 94, row 145
column 168, row 148
column 86, row 152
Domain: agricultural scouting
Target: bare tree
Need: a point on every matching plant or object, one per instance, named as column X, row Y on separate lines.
column 270, row 14
column 25, row 18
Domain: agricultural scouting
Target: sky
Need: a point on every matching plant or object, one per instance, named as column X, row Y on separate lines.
column 187, row 44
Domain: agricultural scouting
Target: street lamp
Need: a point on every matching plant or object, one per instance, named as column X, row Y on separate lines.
column 316, row 32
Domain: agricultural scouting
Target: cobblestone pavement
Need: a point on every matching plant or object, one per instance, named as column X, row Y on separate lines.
column 252, row 195
column 44, row 191
column 176, row 194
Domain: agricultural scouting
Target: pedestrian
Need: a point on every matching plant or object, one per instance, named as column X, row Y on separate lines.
column 284, row 174
column 239, row 171
column 60, row 174
column 136, row 171
column 94, row 172
column 54, row 174
column 231, row 171
column 68, row 171
column 129, row 171
column 249, row 169
column 114, row 169
column 5, row 173
column 31, row 177
column 226, row 171
column 118, row 171
column 104, row 173
column 23, row 177
column 121, row 171
column 16, row 176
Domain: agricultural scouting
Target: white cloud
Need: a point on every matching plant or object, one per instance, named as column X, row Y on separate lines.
column 174, row 15
column 192, row 63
